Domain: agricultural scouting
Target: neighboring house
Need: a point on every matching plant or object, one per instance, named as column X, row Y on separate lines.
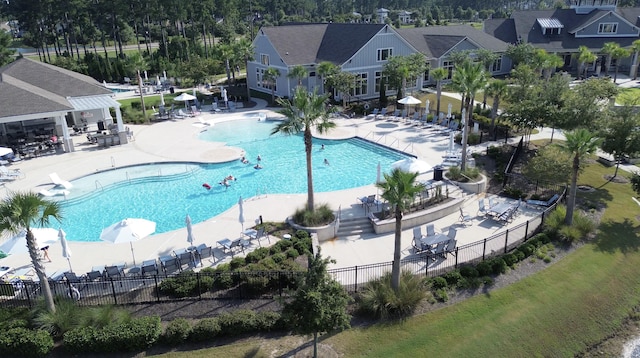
column 41, row 99
column 382, row 14
column 438, row 42
column 405, row 17
column 561, row 31
column 361, row 49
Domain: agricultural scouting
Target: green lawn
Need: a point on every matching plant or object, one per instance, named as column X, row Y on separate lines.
column 629, row 96
column 560, row 311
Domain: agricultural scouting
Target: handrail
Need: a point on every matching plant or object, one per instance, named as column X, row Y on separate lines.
column 159, row 172
column 126, row 175
column 113, row 162
column 99, row 184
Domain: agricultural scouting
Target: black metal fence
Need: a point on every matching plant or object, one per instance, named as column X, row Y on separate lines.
column 258, row 284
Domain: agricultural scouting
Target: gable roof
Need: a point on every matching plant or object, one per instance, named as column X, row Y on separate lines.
column 435, row 41
column 523, row 26
column 305, row 44
column 30, row 87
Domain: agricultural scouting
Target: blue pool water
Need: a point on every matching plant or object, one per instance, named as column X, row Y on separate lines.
column 166, row 192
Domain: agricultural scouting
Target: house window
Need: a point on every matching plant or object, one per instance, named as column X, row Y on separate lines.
column 360, row 87
column 264, row 59
column 262, row 82
column 378, row 80
column 425, row 77
column 384, row 54
column 448, row 65
column 608, row 28
column 496, row 65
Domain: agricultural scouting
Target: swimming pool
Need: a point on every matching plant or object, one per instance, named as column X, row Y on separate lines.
column 166, row 192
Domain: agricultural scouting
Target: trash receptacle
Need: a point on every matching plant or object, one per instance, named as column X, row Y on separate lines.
column 172, row 90
column 437, row 172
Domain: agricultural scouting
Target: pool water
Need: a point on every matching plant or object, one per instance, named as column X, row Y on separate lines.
column 166, row 192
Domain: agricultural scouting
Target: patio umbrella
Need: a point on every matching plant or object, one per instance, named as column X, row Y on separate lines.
column 128, row 230
column 66, row 252
column 190, row 238
column 4, row 151
column 241, row 214
column 225, row 99
column 18, row 243
column 378, row 174
column 185, row 97
column 409, row 100
column 449, row 107
column 451, row 141
column 412, row 165
column 427, row 104
column 161, row 99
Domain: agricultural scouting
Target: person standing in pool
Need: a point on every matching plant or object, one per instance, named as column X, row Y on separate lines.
column 259, row 159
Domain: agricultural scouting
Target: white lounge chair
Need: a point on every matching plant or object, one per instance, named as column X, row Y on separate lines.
column 53, row 192
column 9, row 174
column 55, row 179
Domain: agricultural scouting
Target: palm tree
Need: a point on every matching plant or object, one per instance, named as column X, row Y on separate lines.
column 326, row 69
column 468, row 78
column 305, row 111
column 298, row 72
column 271, row 76
column 244, row 48
column 550, row 62
column 609, row 48
column 21, row 211
column 616, row 54
column 225, row 51
column 496, row 89
column 635, row 48
column 438, row 75
column 585, row 56
column 579, row 143
column 487, row 58
column 138, row 63
column 399, row 189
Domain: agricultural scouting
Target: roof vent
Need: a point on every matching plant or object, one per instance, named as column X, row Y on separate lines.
column 550, row 25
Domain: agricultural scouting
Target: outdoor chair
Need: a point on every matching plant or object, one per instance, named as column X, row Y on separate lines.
column 149, row 267
column 452, row 233
column 383, row 114
column 225, row 245
column 542, row 202
column 451, row 246
column 440, row 250
column 431, row 230
column 238, row 244
column 395, row 116
column 403, row 114
column 464, row 217
column 375, row 112
column 417, row 233
column 367, row 200
column 113, row 271
column 482, row 209
column 72, row 279
column 170, row 266
column 94, row 275
column 186, row 258
column 203, row 251
column 258, row 235
column 417, row 244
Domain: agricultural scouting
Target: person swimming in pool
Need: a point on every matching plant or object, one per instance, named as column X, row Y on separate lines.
column 326, row 162
column 206, row 186
column 231, row 177
column 259, row 159
column 244, row 160
column 257, row 166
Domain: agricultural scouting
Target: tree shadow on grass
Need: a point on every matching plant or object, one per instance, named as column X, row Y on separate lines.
column 619, row 236
column 594, row 199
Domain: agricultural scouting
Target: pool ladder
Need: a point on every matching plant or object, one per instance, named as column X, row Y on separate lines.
column 98, row 184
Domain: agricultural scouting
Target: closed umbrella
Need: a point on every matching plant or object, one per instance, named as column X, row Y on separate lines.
column 66, row 252
column 128, row 230
column 241, row 214
column 190, row 237
column 18, row 243
column 449, row 107
column 378, row 174
column 161, row 99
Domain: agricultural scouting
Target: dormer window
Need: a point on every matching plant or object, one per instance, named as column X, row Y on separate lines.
column 550, row 26
column 608, row 28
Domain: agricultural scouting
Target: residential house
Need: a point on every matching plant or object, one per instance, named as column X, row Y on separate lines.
column 438, row 42
column 590, row 23
column 405, row 17
column 362, row 49
column 39, row 99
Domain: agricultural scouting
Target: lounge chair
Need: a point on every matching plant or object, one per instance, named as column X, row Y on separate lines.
column 203, row 251
column 395, row 116
column 53, row 192
column 55, row 179
column 543, row 203
column 114, row 271
column 367, row 200
column 184, row 114
column 11, row 174
column 375, row 112
column 170, row 265
column 383, row 114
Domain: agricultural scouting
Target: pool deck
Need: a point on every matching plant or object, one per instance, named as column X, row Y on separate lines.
column 176, row 140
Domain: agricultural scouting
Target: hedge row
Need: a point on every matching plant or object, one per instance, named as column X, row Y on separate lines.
column 22, row 342
column 133, row 336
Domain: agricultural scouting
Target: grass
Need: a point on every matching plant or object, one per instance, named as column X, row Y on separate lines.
column 629, row 96
column 561, row 311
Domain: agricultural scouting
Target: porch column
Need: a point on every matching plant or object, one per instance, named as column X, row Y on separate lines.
column 67, row 142
column 122, row 133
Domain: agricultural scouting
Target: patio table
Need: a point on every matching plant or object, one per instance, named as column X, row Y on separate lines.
column 430, row 241
column 499, row 209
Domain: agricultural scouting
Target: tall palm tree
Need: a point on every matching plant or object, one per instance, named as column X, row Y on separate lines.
column 550, row 62
column 635, row 49
column 244, row 48
column 139, row 63
column 579, row 143
column 609, row 48
column 616, row 54
column 438, row 75
column 298, row 72
column 497, row 89
column 468, row 78
column 306, row 110
column 399, row 189
column 585, row 56
column 271, row 76
column 21, row 211
column 326, row 69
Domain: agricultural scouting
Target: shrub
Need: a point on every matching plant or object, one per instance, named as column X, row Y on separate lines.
column 468, row 271
column 441, row 295
column 101, row 316
column 292, row 253
column 135, row 335
column 302, row 245
column 569, row 233
column 439, row 282
column 484, row 268
column 494, row 152
column 205, row 330
column 257, row 255
column 515, row 193
column 280, row 246
column 186, row 283
column 555, row 220
column 302, row 234
column 238, row 322
column 454, row 173
column 22, row 342
column 66, row 317
column 380, row 300
column 528, row 249
column 177, row 331
column 452, row 278
column 268, row 321
column 584, row 224
column 322, row 215
column 510, row 259
column 498, row 266
column 520, row 255
column 236, row 263
column 279, row 257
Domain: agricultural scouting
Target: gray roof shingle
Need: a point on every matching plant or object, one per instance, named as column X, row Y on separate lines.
column 304, row 44
column 435, row 41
